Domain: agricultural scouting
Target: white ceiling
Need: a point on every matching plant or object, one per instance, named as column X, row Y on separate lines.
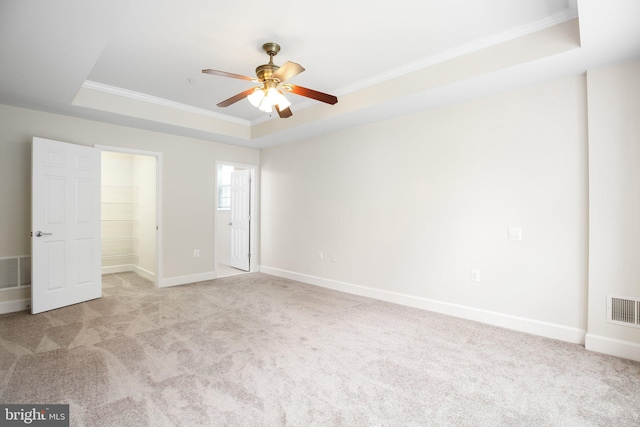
column 121, row 61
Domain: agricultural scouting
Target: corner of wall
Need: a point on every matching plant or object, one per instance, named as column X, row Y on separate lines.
column 613, row 347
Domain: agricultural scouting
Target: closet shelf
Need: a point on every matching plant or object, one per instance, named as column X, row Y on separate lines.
column 119, row 217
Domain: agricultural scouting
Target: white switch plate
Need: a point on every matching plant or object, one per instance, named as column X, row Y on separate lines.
column 475, row 275
column 515, row 234
column 196, row 253
column 321, row 255
column 333, row 257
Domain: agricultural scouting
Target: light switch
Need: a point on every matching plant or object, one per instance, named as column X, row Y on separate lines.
column 515, row 233
column 475, row 275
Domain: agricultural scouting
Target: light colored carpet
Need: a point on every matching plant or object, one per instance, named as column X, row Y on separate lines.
column 256, row 350
column 225, row 270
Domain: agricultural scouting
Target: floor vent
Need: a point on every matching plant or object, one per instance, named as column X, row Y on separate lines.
column 623, row 310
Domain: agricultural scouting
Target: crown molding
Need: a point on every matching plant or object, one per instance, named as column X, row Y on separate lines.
column 88, row 84
column 461, row 50
column 458, row 51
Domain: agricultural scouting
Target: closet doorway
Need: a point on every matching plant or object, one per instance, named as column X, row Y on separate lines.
column 130, row 213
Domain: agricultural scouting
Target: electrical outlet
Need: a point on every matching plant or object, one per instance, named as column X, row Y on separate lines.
column 475, row 275
column 196, row 253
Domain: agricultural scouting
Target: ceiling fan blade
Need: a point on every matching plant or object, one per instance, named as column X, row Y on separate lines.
column 225, row 74
column 284, row 113
column 236, row 98
column 313, row 94
column 288, row 70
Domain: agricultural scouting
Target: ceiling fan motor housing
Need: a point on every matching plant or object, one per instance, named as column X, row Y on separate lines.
column 264, row 72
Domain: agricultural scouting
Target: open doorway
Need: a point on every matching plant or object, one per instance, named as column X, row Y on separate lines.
column 130, row 212
column 235, row 230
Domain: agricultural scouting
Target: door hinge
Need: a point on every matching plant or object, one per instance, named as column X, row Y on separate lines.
column 249, row 254
column 249, row 217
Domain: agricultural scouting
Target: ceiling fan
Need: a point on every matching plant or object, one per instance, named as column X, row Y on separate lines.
column 272, row 78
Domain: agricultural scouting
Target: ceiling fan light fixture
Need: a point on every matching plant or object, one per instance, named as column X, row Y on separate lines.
column 272, row 78
column 283, row 102
column 266, row 99
column 256, row 97
column 275, row 97
column 272, row 95
column 265, row 105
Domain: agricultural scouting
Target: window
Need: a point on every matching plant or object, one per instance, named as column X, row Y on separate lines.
column 224, row 187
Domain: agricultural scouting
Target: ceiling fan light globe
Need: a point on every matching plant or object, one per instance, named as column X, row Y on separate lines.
column 256, row 97
column 282, row 102
column 272, row 96
column 265, row 105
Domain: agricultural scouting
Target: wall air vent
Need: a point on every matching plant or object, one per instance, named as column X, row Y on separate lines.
column 623, row 310
column 15, row 271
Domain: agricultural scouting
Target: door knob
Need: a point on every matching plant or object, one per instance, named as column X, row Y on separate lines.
column 40, row 234
column 231, row 223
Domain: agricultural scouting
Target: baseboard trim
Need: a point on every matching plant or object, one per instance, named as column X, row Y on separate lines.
column 531, row 326
column 15, row 305
column 124, row 268
column 613, row 347
column 144, row 273
column 184, row 280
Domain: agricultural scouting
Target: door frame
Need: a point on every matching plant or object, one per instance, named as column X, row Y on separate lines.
column 159, row 229
column 254, row 264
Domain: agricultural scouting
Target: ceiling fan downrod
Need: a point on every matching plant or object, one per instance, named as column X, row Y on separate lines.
column 265, row 71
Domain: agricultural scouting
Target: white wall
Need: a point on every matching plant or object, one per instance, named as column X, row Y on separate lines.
column 144, row 177
column 222, row 236
column 412, row 204
column 188, row 185
column 614, row 198
column 116, row 169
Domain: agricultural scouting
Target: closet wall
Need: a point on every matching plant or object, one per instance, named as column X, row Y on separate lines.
column 129, row 214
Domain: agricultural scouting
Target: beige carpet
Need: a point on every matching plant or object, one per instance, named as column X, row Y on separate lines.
column 256, row 350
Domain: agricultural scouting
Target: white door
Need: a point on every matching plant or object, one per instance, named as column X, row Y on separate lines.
column 240, row 216
column 65, row 223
